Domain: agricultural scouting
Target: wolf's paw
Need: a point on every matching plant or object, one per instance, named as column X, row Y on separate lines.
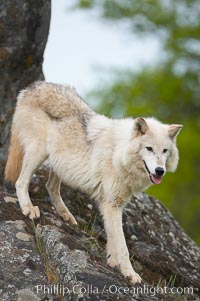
column 31, row 211
column 134, row 278
column 130, row 274
column 68, row 217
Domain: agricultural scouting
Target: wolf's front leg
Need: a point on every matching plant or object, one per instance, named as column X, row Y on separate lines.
column 117, row 252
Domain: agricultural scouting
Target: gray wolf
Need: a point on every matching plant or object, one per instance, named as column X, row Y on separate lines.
column 110, row 159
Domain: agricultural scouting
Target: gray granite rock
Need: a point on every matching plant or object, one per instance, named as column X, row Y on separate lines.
column 52, row 260
column 24, row 27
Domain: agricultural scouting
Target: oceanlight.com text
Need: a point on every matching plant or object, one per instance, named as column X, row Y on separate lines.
column 63, row 290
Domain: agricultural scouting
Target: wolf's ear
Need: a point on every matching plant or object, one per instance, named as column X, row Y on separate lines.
column 174, row 130
column 140, row 126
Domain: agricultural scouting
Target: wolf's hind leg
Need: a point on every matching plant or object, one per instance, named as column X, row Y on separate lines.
column 53, row 188
column 33, row 158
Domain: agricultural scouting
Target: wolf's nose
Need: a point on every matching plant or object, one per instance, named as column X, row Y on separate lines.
column 159, row 171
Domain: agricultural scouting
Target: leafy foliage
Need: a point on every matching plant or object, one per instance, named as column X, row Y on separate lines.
column 169, row 91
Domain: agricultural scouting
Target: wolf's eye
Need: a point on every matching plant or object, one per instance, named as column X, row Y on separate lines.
column 149, row 148
column 165, row 150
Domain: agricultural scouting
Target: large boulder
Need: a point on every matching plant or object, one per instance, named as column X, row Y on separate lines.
column 24, row 27
column 48, row 257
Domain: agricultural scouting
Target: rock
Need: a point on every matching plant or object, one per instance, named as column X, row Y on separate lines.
column 23, row 236
column 170, row 251
column 16, row 257
column 9, row 199
column 63, row 261
column 24, row 27
column 27, row 295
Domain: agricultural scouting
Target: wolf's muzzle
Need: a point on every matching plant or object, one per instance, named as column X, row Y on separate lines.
column 159, row 171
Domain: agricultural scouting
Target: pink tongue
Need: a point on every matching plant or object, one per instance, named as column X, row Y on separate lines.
column 156, row 179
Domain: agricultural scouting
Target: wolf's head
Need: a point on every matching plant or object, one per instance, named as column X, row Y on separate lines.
column 155, row 146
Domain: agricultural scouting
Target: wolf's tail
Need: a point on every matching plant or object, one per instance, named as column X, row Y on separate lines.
column 15, row 157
